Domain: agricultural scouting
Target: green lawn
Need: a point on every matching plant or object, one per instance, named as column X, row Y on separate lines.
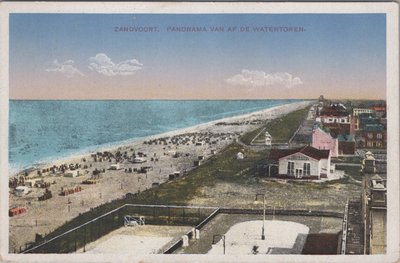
column 223, row 166
column 347, row 159
column 352, row 171
column 281, row 129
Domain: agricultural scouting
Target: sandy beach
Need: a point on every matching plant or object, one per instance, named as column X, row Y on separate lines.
column 79, row 183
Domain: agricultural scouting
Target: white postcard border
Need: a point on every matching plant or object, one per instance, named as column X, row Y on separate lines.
column 391, row 10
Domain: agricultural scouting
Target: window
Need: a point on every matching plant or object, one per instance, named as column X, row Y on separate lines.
column 307, row 169
column 370, row 144
column 378, row 144
column 370, row 135
column 379, row 136
column 343, row 120
column 290, row 168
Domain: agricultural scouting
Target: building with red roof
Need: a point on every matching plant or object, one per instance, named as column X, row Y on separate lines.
column 300, row 163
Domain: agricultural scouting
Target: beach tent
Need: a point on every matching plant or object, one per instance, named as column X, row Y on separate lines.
column 138, row 160
column 74, row 173
column 21, row 190
column 115, row 166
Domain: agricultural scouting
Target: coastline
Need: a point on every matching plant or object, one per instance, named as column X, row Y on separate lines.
column 73, row 157
column 113, row 184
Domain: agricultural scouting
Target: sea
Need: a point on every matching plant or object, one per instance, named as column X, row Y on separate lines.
column 44, row 130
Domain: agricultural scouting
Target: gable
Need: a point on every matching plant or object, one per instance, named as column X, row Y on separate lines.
column 325, row 135
column 298, row 157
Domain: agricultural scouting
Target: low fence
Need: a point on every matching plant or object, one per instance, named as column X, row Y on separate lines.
column 78, row 237
column 179, row 243
column 282, row 212
column 275, row 212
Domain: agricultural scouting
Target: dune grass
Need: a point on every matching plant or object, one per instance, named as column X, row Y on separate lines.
column 281, row 129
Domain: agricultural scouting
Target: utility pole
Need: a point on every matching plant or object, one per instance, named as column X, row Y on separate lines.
column 263, row 225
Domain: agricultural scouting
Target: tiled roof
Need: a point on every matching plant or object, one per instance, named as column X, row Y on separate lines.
column 334, row 110
column 312, row 152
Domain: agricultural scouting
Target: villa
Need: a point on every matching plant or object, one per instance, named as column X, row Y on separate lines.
column 301, row 163
column 323, row 140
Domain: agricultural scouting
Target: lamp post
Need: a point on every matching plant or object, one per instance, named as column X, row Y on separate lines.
column 223, row 240
column 263, row 225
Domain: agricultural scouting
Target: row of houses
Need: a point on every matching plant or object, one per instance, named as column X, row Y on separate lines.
column 334, row 134
column 343, row 129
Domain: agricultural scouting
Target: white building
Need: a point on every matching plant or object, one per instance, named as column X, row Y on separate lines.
column 240, row 156
column 306, row 162
column 358, row 111
column 268, row 139
column 333, row 119
column 334, row 113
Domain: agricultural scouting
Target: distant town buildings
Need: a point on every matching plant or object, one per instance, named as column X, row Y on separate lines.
column 347, row 133
column 334, row 113
column 380, row 110
column 365, row 128
column 344, row 134
column 339, row 130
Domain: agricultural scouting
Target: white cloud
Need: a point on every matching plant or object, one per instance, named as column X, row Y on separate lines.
column 102, row 64
column 66, row 68
column 258, row 78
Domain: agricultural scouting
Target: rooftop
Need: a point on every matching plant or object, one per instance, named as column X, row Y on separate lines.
column 309, row 151
column 335, row 110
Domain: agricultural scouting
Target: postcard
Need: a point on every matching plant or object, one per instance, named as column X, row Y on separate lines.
column 193, row 132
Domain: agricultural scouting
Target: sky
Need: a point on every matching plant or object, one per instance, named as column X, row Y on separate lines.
column 182, row 56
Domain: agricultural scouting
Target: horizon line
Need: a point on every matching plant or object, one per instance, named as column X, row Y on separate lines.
column 177, row 99
column 182, row 99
